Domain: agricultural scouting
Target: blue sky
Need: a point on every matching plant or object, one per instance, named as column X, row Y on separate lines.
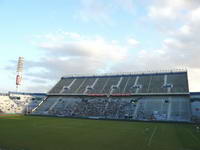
column 86, row 36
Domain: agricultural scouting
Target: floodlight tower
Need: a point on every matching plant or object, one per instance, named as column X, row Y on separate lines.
column 20, row 68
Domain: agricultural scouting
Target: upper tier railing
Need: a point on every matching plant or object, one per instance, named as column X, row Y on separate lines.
column 148, row 72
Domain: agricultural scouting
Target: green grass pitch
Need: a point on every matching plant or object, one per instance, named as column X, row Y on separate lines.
column 49, row 133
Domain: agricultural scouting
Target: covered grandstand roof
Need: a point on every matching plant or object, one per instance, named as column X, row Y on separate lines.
column 27, row 93
column 162, row 82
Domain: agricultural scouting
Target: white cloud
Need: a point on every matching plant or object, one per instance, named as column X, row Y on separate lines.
column 193, row 79
column 96, row 11
column 95, row 47
column 75, row 54
column 195, row 15
column 171, row 9
column 102, row 11
column 133, row 42
column 185, row 30
column 161, row 13
column 169, row 15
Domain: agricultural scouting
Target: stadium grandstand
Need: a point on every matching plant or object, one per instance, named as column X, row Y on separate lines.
column 195, row 106
column 19, row 102
column 149, row 96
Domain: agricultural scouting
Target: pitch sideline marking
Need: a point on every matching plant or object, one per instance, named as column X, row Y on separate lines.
column 197, row 139
column 151, row 137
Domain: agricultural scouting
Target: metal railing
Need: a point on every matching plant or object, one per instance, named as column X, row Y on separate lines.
column 128, row 73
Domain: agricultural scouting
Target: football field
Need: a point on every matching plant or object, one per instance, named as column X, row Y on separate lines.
column 51, row 133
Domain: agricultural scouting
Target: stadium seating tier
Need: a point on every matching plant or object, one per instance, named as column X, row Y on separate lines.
column 175, row 82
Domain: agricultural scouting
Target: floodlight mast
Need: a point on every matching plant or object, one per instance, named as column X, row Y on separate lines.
column 20, row 68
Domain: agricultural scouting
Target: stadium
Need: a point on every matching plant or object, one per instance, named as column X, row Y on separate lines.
column 100, row 75
column 144, row 110
column 147, row 96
